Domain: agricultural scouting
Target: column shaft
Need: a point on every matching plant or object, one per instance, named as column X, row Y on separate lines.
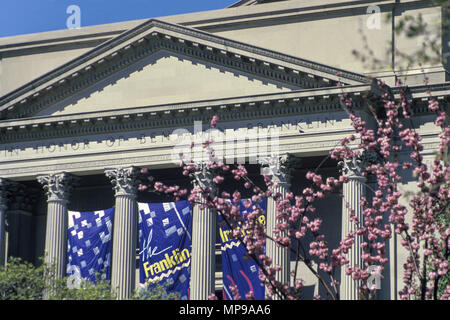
column 203, row 260
column 280, row 255
column 2, row 236
column 3, row 207
column 123, row 268
column 353, row 191
column 56, row 236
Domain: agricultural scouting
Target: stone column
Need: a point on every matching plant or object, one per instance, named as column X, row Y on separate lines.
column 278, row 168
column 123, row 266
column 203, row 259
column 21, row 201
column 353, row 191
column 3, row 207
column 58, row 188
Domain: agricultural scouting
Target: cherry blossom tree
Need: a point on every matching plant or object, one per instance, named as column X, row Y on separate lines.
column 426, row 237
column 422, row 224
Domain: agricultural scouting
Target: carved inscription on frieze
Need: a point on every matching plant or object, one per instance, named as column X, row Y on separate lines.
column 159, row 137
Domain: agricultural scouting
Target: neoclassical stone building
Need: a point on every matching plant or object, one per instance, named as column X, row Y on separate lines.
column 81, row 110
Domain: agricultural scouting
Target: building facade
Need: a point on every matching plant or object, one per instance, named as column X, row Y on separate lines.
column 82, row 110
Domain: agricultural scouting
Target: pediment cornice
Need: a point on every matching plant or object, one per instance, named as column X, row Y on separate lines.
column 155, row 35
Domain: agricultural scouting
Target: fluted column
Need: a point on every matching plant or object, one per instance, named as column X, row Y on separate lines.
column 279, row 254
column 58, row 188
column 278, row 168
column 353, row 191
column 3, row 208
column 203, row 259
column 123, row 266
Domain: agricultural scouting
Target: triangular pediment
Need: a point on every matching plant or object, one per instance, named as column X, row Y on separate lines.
column 160, row 63
column 161, row 78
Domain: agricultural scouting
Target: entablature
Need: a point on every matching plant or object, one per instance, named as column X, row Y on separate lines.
column 181, row 114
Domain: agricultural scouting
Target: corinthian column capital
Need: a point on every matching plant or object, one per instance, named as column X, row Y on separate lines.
column 280, row 168
column 354, row 167
column 57, row 186
column 124, row 180
column 203, row 177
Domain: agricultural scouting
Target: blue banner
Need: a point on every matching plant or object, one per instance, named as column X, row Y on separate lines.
column 165, row 245
column 89, row 246
column 239, row 269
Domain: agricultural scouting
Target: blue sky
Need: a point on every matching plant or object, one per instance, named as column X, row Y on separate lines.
column 30, row 16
